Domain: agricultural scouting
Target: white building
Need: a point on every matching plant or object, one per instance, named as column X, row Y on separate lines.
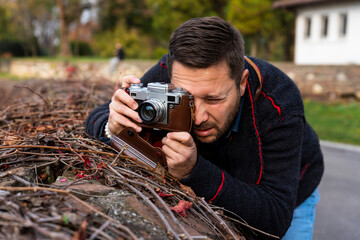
column 327, row 31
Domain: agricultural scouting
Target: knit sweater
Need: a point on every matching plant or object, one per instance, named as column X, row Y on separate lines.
column 266, row 168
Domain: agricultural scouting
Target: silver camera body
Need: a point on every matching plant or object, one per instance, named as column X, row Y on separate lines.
column 156, row 101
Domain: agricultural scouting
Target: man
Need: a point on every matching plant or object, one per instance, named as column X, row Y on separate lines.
column 251, row 150
column 119, row 56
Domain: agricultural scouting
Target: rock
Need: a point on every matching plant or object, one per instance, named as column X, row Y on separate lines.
column 292, row 75
column 117, row 205
column 346, row 91
column 332, row 96
column 341, row 77
column 25, row 173
column 131, row 211
column 317, row 89
column 310, row 76
column 83, row 189
column 357, row 94
column 4, row 193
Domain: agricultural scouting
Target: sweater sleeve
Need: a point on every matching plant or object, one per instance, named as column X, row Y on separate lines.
column 268, row 205
column 95, row 122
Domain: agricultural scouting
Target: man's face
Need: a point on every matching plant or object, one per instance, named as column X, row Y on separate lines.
column 216, row 97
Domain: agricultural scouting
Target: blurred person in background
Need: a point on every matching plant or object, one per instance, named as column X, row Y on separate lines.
column 119, row 56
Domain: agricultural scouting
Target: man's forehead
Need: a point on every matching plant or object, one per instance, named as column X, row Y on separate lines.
column 206, row 91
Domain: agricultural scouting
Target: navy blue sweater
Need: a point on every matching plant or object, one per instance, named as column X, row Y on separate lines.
column 265, row 169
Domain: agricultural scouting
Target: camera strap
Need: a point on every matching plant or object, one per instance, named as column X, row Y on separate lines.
column 192, row 112
column 255, row 67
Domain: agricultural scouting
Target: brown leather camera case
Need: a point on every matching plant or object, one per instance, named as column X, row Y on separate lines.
column 138, row 148
column 180, row 117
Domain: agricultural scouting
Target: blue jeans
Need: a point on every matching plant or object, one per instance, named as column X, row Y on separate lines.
column 302, row 224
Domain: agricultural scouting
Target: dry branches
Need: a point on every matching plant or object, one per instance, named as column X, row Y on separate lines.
column 47, row 161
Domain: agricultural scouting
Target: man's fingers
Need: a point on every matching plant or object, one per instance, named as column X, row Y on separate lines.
column 122, row 97
column 180, row 158
column 168, row 151
column 117, row 108
column 128, row 80
column 122, row 109
column 182, row 137
column 174, row 145
column 173, row 158
column 177, row 144
column 117, row 122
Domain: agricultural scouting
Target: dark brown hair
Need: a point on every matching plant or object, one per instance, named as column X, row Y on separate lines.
column 204, row 42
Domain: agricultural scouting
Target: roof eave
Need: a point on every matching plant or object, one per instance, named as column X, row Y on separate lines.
column 292, row 4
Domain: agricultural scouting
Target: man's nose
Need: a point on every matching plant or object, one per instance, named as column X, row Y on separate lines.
column 201, row 114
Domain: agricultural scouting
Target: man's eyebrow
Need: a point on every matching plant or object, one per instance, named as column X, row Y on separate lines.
column 218, row 96
column 215, row 96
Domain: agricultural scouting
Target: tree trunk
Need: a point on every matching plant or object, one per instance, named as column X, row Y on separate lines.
column 64, row 41
column 253, row 47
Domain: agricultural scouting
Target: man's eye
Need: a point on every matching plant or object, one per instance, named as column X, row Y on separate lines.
column 214, row 100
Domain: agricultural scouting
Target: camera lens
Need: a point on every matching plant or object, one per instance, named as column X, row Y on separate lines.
column 148, row 113
column 152, row 111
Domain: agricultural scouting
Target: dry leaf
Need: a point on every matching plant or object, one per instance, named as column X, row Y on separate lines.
column 10, row 140
column 182, row 207
column 161, row 194
column 188, row 190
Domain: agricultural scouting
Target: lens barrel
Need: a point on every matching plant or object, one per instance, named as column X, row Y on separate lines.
column 152, row 111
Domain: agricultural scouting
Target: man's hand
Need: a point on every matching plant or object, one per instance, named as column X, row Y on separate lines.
column 122, row 108
column 181, row 153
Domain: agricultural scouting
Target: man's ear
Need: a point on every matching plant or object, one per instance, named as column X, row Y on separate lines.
column 243, row 81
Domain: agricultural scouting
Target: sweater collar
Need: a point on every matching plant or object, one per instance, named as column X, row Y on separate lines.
column 236, row 122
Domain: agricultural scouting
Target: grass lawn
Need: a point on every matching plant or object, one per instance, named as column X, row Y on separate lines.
column 62, row 59
column 78, row 59
column 335, row 122
column 8, row 76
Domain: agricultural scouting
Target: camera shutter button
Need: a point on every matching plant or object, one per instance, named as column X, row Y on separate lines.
column 179, row 90
column 136, row 85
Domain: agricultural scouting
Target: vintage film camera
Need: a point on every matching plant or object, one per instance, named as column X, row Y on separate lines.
column 162, row 108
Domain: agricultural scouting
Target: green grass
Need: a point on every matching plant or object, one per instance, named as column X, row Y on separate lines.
column 62, row 59
column 335, row 122
column 77, row 59
column 8, row 76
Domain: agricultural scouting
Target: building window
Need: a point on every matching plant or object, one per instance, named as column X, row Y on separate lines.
column 324, row 26
column 343, row 24
column 307, row 27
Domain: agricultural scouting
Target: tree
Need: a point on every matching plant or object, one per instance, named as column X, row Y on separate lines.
column 45, row 25
column 249, row 17
column 4, row 22
column 130, row 14
column 168, row 15
column 28, row 21
column 69, row 12
column 263, row 26
column 64, row 40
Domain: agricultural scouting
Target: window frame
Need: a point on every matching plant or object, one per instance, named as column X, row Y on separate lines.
column 308, row 24
column 343, row 24
column 324, row 26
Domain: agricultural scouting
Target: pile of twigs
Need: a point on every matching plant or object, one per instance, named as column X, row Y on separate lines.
column 45, row 130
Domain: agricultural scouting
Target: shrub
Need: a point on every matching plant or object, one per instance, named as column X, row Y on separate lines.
column 135, row 44
column 14, row 47
column 79, row 48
